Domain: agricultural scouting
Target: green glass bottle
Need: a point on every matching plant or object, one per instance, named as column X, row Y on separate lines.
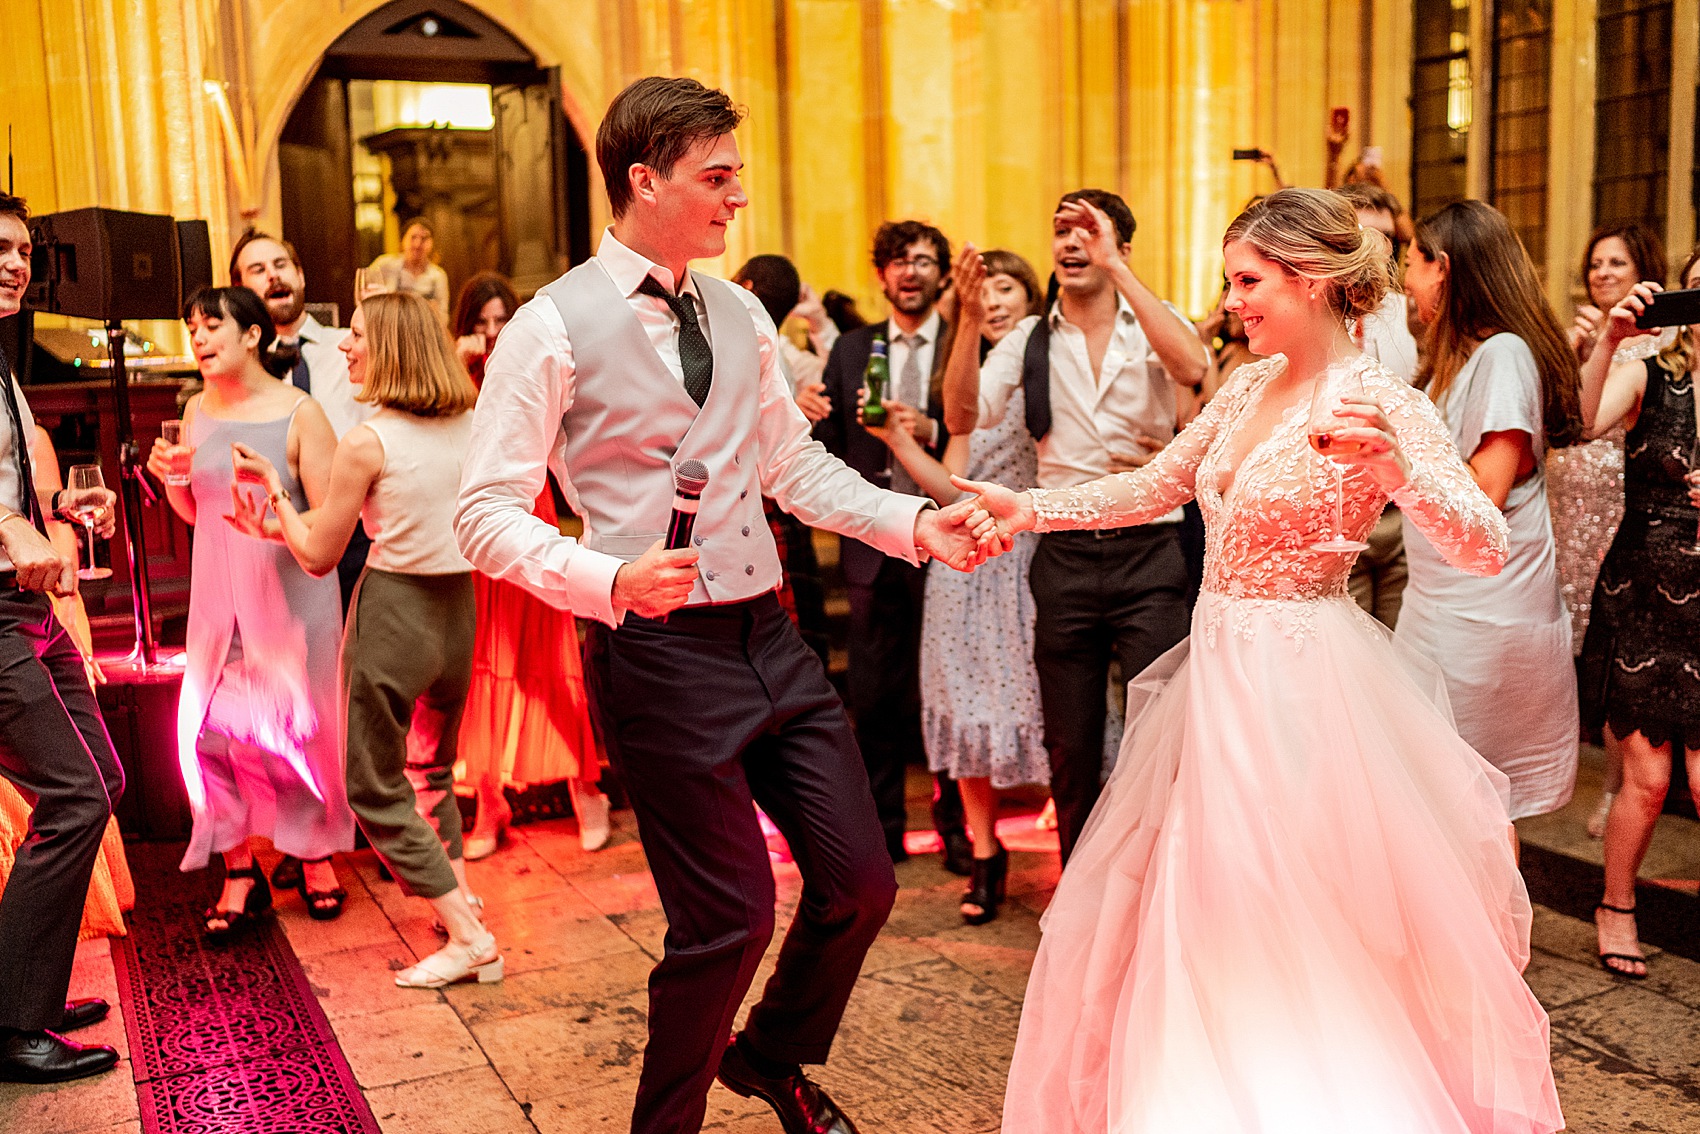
column 876, row 376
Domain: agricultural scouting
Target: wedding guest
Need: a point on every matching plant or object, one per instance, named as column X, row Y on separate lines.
column 886, row 594
column 1102, row 371
column 53, row 743
column 527, row 716
column 257, row 720
column 1585, row 482
column 979, row 691
column 1642, row 651
column 412, row 269
column 774, row 281
column 407, row 655
column 1498, row 368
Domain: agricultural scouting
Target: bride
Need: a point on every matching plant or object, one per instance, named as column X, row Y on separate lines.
column 1296, row 906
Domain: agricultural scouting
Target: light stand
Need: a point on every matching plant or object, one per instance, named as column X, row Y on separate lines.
column 133, row 488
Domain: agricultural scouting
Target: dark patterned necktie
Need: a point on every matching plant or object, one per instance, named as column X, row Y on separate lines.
column 696, row 357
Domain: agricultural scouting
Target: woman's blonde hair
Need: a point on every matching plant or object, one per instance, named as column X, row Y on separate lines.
column 410, row 364
column 1491, row 288
column 1315, row 235
column 1679, row 358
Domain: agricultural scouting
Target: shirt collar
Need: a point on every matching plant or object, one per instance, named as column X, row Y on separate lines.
column 928, row 331
column 627, row 268
column 312, row 331
column 1124, row 312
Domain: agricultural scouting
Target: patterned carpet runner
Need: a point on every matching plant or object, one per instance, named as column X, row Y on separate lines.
column 225, row 1039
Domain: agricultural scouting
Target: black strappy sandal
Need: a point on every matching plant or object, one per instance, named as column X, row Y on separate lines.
column 1607, row 958
column 987, row 887
column 254, row 906
column 332, row 899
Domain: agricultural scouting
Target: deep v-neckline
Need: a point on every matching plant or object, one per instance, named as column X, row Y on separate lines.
column 1253, row 397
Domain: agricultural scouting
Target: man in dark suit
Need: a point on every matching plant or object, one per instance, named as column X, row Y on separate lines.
column 912, row 259
column 53, row 742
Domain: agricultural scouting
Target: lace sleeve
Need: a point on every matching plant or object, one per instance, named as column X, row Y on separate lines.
column 1442, row 498
column 1154, row 489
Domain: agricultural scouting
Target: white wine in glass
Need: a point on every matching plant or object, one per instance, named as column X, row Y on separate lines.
column 84, row 477
column 1321, row 428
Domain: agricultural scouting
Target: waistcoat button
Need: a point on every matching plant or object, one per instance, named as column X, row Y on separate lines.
column 746, row 529
column 743, row 493
column 709, row 575
column 749, row 568
column 699, row 541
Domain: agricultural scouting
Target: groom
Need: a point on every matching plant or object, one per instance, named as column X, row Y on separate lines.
column 709, row 699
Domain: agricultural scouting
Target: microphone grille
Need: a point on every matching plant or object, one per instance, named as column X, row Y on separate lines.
column 691, row 477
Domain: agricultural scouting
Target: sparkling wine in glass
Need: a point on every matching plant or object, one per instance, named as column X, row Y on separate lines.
column 85, row 477
column 1321, row 428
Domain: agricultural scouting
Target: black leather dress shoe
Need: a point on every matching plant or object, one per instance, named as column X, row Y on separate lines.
column 802, row 1107
column 958, row 853
column 82, row 1013
column 43, row 1057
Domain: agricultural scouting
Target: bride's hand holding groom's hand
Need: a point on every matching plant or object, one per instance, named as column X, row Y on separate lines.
column 998, row 513
column 1378, row 451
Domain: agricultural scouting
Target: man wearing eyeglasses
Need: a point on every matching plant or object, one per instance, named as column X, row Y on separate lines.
column 912, row 261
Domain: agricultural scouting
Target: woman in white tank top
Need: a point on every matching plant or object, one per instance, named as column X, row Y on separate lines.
column 407, row 649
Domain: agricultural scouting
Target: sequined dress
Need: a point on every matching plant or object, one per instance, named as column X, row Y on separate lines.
column 1640, row 667
column 1295, row 906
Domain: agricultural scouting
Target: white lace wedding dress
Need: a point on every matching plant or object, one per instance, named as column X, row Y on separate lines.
column 1295, row 909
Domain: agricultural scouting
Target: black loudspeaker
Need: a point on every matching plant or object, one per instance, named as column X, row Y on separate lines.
column 105, row 264
column 194, row 260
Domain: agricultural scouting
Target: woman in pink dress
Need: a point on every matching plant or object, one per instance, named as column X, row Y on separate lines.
column 1295, row 906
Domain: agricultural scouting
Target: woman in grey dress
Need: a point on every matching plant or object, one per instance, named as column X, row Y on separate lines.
column 980, row 712
column 257, row 722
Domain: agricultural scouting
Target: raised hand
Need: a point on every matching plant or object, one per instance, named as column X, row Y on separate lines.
column 103, row 500
column 1097, row 232
column 166, row 460
column 253, row 467
column 1585, row 331
column 657, row 582
column 1620, row 322
column 968, row 276
column 814, row 403
column 248, row 515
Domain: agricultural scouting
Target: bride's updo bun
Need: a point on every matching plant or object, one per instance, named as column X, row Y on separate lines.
column 1315, row 235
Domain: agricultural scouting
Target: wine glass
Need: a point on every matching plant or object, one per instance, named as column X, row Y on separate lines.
column 84, row 477
column 1320, row 428
column 172, row 431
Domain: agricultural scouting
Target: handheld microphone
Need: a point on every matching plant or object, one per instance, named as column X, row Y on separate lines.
column 689, row 479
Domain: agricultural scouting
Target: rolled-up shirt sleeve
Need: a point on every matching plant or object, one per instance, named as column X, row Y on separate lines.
column 516, row 434
column 811, row 483
column 1000, row 374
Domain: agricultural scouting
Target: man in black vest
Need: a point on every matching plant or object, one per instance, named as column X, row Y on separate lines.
column 884, row 686
column 1102, row 370
column 53, row 743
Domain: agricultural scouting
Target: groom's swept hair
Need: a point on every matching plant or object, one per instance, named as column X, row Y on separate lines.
column 654, row 122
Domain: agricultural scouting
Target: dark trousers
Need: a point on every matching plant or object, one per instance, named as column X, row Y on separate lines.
column 705, row 714
column 1097, row 594
column 54, row 748
column 884, row 690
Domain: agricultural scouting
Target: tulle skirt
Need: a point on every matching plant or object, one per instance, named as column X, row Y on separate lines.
column 1295, row 908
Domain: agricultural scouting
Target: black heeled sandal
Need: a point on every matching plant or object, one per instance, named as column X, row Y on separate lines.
column 332, row 899
column 987, row 887
column 1607, row 958
column 254, row 906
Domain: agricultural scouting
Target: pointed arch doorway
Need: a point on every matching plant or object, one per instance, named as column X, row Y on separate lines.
column 430, row 108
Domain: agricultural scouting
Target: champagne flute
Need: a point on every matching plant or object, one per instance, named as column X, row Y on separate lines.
column 1321, row 426
column 85, row 477
column 172, row 431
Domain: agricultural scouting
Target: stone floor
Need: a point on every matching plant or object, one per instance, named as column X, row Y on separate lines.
column 925, row 1047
